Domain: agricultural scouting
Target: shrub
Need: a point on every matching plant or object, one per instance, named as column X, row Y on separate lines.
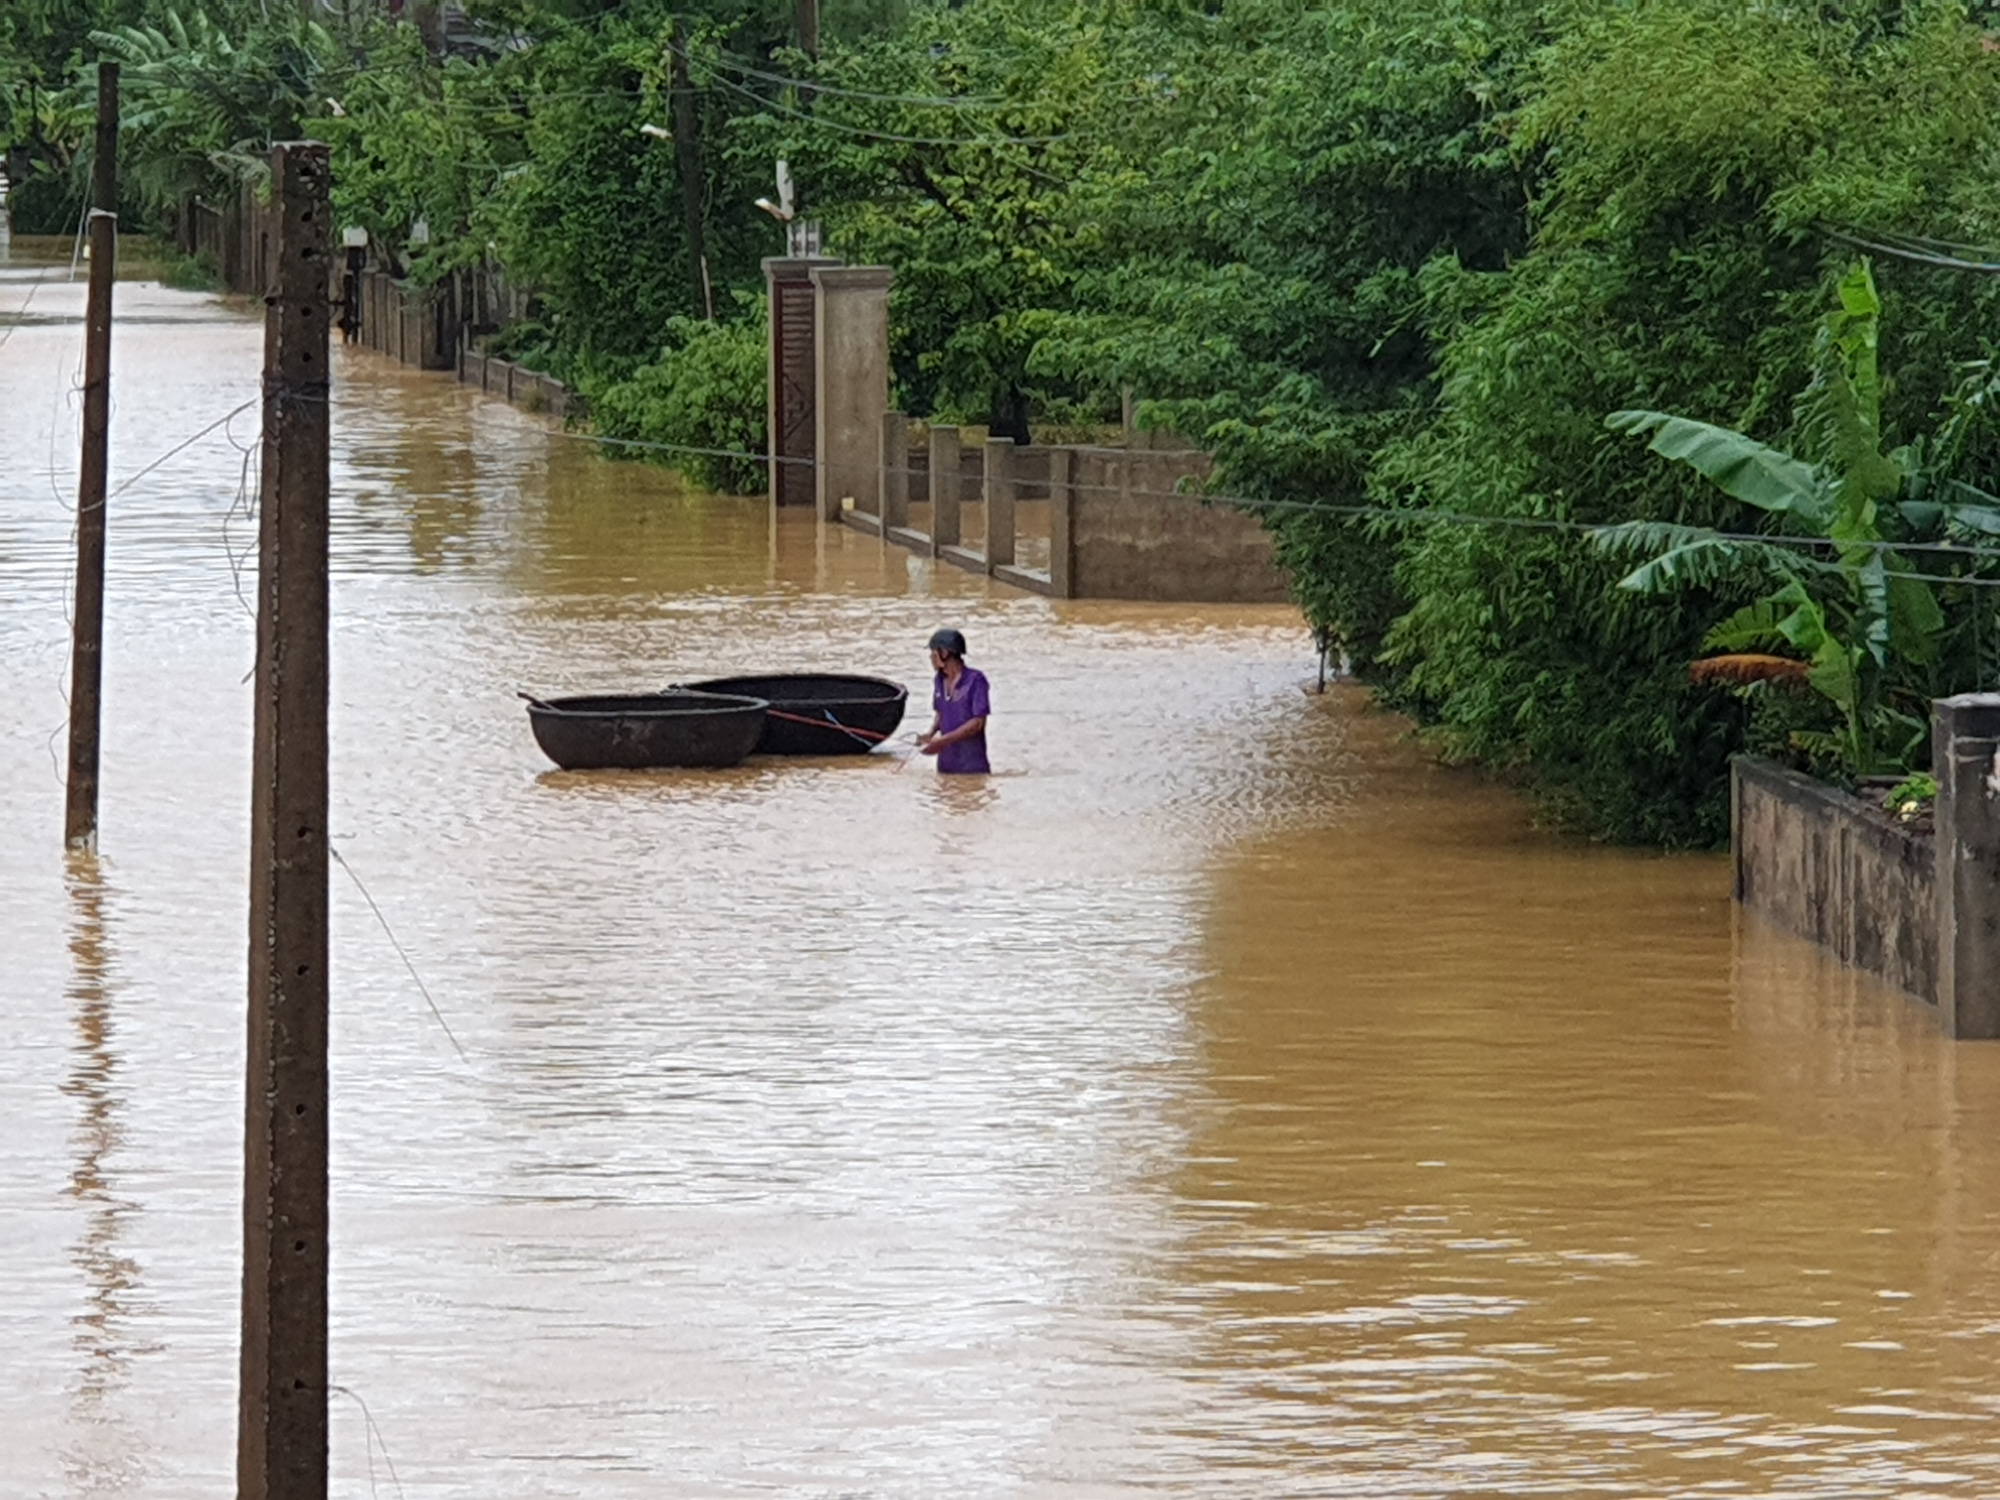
column 704, row 397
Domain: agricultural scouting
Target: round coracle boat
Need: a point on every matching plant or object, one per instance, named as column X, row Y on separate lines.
column 644, row 731
column 819, row 713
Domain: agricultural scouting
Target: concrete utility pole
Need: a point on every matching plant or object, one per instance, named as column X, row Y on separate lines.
column 687, row 157
column 281, row 1433
column 86, row 671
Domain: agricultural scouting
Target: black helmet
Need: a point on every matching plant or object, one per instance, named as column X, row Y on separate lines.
column 950, row 642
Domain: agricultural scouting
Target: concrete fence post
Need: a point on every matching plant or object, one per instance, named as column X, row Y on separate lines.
column 944, row 487
column 1002, row 488
column 1062, row 523
column 1965, row 753
column 894, row 501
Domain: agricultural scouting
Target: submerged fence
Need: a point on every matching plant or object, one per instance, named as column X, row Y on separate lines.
column 1070, row 521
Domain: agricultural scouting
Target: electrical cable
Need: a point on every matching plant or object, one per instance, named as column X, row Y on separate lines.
column 1384, row 513
column 884, row 135
column 1915, row 257
column 402, row 953
column 1407, row 516
column 20, row 313
column 1923, row 242
column 930, row 101
column 184, row 444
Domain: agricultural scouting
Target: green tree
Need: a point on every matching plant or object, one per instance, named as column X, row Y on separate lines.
column 1863, row 625
column 1687, row 155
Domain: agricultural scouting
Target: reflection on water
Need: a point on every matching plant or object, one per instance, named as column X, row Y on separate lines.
column 1530, row 1169
column 101, row 1457
column 1220, row 1099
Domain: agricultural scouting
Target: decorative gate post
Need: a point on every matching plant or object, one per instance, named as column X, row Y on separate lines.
column 852, row 385
column 794, row 380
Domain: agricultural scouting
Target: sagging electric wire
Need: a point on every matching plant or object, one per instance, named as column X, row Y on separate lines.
column 1406, row 516
column 925, row 101
column 19, row 315
column 821, row 121
column 1922, row 250
column 402, row 953
column 183, row 446
column 1383, row 513
column 638, row 97
column 1380, row 513
column 372, row 1439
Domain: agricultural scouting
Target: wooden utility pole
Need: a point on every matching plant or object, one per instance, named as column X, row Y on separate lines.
column 808, row 23
column 687, row 158
column 281, row 1433
column 86, row 668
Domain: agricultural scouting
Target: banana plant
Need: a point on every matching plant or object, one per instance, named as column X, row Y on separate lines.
column 1848, row 606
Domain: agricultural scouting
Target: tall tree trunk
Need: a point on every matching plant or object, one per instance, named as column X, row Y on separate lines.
column 1010, row 416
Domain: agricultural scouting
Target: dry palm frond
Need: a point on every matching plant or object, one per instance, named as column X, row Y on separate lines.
column 1747, row 666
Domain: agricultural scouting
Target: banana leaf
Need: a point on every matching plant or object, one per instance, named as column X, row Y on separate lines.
column 1741, row 467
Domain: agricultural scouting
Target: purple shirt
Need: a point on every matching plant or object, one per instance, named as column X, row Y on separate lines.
column 966, row 701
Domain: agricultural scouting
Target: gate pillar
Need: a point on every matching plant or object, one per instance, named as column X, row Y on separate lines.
column 852, row 394
column 793, row 390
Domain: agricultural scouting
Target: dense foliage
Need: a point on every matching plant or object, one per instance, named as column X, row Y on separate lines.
column 1393, row 261
column 704, row 396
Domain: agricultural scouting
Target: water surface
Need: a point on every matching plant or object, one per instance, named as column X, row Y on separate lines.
column 1219, row 1100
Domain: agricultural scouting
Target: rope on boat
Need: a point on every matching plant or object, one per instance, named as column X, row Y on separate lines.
column 866, row 736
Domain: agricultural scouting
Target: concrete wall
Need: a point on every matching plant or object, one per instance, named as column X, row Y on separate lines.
column 1830, row 867
column 411, row 325
column 517, row 385
column 1131, row 535
column 1118, row 524
column 237, row 233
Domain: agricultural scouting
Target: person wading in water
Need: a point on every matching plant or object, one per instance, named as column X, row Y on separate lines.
column 957, row 736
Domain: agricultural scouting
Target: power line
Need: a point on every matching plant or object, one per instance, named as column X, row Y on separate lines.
column 184, row 444
column 402, row 953
column 929, row 101
column 1918, row 249
column 1916, row 256
column 882, row 135
column 1387, row 514
column 19, row 315
column 1406, row 515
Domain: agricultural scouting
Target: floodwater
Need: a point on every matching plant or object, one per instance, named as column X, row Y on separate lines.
column 1219, row 1100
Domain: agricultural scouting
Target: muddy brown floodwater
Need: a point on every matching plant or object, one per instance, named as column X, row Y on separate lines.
column 1220, row 1100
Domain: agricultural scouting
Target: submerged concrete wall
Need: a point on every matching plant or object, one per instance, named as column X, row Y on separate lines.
column 519, row 386
column 1920, row 910
column 1826, row 865
column 1119, row 523
column 1132, row 535
column 409, row 324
